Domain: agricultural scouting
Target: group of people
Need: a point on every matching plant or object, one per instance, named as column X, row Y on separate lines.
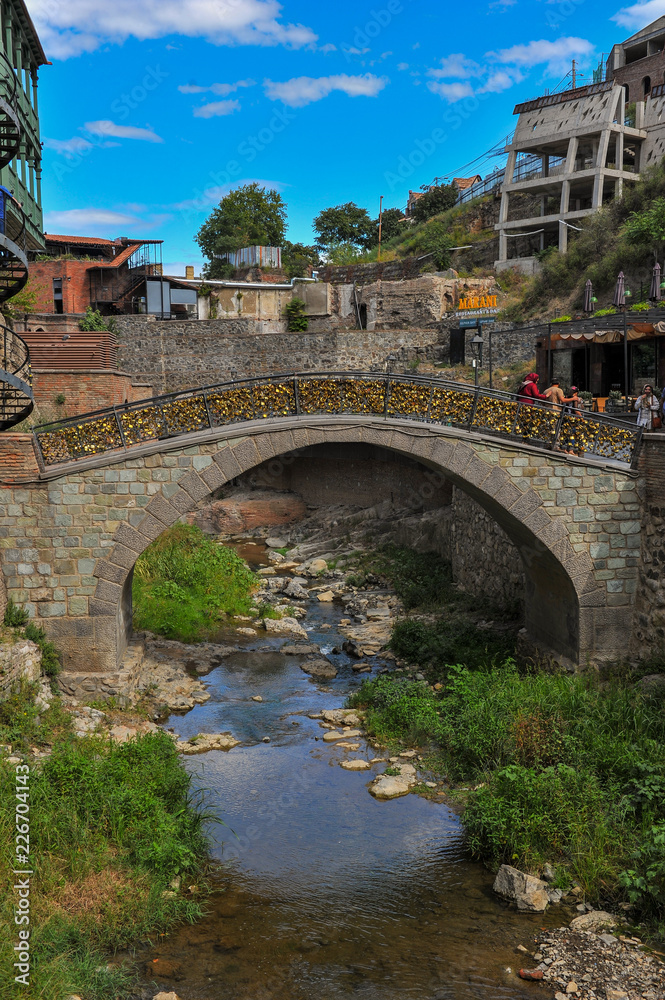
column 555, row 396
column 651, row 409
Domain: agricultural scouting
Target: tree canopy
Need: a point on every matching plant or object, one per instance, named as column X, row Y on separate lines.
column 438, row 199
column 647, row 228
column 392, row 224
column 297, row 257
column 249, row 216
column 346, row 224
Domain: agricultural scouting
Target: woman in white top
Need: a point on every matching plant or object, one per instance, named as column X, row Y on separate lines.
column 647, row 406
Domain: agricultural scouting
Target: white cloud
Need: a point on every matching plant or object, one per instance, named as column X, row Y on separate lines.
column 457, row 65
column 101, row 221
column 556, row 54
column 328, row 47
column 216, row 109
column 221, row 89
column 69, row 29
column 352, row 51
column 302, row 90
column 106, row 127
column 451, row 91
column 91, row 221
column 639, row 14
column 501, row 80
column 71, row 148
column 402, row 66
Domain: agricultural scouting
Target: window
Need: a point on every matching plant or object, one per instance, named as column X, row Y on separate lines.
column 646, row 85
column 57, row 295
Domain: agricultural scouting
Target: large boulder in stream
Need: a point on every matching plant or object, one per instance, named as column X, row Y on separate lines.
column 529, row 892
column 284, row 626
column 296, row 590
column 321, row 669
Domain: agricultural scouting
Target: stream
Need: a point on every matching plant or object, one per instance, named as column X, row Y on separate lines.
column 326, row 892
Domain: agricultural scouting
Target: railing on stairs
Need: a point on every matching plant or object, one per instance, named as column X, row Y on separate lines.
column 428, row 400
column 16, row 399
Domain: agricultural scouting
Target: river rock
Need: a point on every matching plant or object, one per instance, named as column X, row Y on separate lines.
column 333, row 735
column 265, row 571
column 528, row 892
column 207, row 741
column 326, row 597
column 302, row 649
column 257, row 697
column 275, row 543
column 348, row 746
column 355, row 765
column 390, row 787
column 284, row 625
column 164, row 996
column 313, row 567
column 597, row 920
column 320, row 668
column 341, row 716
column 296, row 590
column 246, row 631
column 275, row 558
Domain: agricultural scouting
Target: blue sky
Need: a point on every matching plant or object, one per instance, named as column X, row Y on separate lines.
column 154, row 109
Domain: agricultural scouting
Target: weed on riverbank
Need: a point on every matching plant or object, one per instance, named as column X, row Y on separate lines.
column 571, row 771
column 557, row 768
column 113, row 832
column 185, row 584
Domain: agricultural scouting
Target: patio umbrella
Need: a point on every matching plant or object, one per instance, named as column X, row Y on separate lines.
column 619, row 299
column 588, row 296
column 654, row 294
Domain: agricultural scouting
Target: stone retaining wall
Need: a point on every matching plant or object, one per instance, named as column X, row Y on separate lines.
column 19, row 659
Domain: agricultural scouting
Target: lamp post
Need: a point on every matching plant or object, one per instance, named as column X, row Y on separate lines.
column 390, row 363
column 477, row 346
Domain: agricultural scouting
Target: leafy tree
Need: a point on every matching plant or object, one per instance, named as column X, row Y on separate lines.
column 295, row 312
column 297, row 257
column 392, row 224
column 93, row 320
column 343, row 253
column 249, row 216
column 438, row 199
column 345, row 224
column 647, row 228
column 21, row 304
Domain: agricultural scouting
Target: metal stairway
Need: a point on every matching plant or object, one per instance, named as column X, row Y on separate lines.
column 16, row 399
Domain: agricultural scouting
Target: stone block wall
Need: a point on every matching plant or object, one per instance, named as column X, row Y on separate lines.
column 176, row 356
column 649, row 631
column 20, row 659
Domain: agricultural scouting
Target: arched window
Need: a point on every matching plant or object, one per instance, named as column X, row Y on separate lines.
column 646, row 85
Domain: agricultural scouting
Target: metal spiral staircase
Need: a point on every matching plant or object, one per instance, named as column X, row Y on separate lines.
column 16, row 399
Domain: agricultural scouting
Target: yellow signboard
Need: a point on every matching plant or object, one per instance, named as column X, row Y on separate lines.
column 478, row 302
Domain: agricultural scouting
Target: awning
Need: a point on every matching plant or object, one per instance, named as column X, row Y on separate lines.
column 637, row 331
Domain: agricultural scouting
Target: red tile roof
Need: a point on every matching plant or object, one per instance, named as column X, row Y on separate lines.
column 87, row 240
column 466, row 182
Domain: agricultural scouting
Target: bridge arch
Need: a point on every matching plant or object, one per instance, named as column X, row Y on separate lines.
column 565, row 604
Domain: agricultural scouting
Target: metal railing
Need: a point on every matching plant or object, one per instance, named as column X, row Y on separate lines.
column 423, row 399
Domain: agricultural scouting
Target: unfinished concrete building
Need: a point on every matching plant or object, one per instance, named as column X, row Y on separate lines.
column 573, row 151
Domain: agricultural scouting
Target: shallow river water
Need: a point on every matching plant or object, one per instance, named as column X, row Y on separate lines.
column 327, row 892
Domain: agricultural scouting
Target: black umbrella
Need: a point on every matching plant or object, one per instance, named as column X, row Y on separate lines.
column 619, row 299
column 654, row 294
column 588, row 297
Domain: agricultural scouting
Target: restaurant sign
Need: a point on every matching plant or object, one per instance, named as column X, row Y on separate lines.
column 477, row 305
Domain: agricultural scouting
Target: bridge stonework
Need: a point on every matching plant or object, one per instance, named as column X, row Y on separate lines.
column 68, row 543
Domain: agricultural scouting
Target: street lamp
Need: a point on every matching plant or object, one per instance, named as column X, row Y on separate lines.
column 477, row 347
column 390, row 363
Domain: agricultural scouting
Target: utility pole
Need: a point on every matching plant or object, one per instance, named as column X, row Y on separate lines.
column 574, row 74
column 378, row 256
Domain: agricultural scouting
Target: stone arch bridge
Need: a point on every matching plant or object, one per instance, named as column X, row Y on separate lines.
column 89, row 495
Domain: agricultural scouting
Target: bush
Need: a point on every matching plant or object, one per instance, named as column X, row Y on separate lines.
column 93, row 320
column 295, row 311
column 184, row 584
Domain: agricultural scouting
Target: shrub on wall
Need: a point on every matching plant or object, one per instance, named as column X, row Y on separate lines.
column 296, row 319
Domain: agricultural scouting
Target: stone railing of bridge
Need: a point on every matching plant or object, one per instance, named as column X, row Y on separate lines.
column 428, row 400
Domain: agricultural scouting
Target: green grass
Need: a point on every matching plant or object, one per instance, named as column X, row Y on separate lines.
column 571, row 769
column 111, row 826
column 185, row 584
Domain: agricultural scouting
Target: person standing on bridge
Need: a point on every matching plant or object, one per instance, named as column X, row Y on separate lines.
column 647, row 406
column 555, row 395
column 528, row 391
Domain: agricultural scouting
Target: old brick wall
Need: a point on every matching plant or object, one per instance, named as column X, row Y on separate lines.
column 84, row 390
column 366, row 274
column 75, row 284
column 175, row 356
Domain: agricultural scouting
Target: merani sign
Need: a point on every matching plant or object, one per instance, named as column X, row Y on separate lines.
column 477, row 305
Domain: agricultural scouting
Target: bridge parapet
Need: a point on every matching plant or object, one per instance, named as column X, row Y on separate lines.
column 423, row 399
